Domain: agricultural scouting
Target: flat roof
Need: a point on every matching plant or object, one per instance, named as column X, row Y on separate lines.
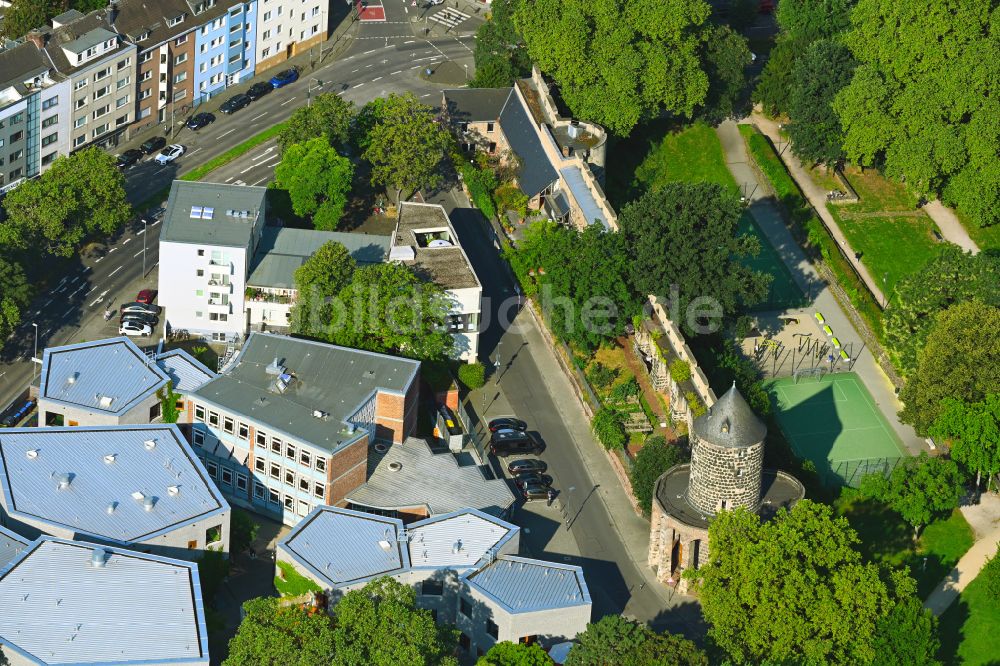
column 446, row 266
column 222, row 228
column 457, row 540
column 336, row 381
column 523, row 585
column 186, row 372
column 11, row 544
column 108, row 467
column 109, row 376
column 427, row 479
column 341, row 546
column 282, row 250
column 138, row 608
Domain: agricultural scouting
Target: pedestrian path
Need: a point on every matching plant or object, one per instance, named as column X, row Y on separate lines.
column 985, row 515
column 950, row 226
column 449, row 17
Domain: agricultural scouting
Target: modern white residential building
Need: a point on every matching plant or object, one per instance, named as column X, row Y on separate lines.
column 71, row 602
column 463, row 566
column 135, row 486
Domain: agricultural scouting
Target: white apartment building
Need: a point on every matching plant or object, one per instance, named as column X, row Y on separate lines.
column 286, row 28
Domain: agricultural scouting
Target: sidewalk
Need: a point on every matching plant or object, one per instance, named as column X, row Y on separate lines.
column 950, row 226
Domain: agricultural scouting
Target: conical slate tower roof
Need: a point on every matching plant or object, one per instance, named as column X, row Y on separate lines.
column 730, row 423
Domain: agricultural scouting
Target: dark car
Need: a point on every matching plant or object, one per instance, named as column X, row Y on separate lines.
column 235, row 103
column 128, row 158
column 505, row 443
column 528, row 478
column 282, row 79
column 141, row 308
column 150, row 146
column 199, row 120
column 258, row 90
column 507, row 423
column 527, row 465
column 146, row 296
column 535, row 491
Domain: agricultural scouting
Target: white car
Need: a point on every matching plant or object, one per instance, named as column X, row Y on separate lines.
column 170, row 153
column 134, row 328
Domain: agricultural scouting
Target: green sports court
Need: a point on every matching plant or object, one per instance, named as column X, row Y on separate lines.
column 832, row 420
column 783, row 293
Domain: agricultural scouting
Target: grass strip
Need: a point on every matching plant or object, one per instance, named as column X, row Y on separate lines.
column 236, row 151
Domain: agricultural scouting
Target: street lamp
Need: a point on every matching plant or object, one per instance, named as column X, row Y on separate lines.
column 466, row 71
column 310, row 88
column 35, row 355
column 144, row 228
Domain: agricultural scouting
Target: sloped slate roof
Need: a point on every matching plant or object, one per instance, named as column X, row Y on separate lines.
column 730, row 422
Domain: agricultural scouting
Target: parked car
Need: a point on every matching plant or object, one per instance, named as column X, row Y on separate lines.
column 535, row 491
column 147, row 308
column 199, row 120
column 527, row 465
column 170, row 153
column 128, row 158
column 150, row 146
column 258, row 90
column 282, row 79
column 134, row 328
column 145, row 317
column 235, row 103
column 505, row 443
column 507, row 423
column 525, row 478
column 146, row 296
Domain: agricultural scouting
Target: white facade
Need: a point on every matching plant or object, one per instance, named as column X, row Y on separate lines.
column 466, row 311
column 55, row 122
column 284, row 25
column 202, row 288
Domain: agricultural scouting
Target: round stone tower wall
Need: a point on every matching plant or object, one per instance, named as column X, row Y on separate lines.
column 725, row 477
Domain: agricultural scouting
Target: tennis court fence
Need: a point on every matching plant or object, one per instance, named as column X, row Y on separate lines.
column 850, row 472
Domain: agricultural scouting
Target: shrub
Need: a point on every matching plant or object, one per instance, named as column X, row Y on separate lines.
column 473, row 375
column 481, row 183
column 654, row 458
column 601, row 375
column 609, row 428
column 991, row 575
column 680, row 371
column 625, row 391
column 242, row 529
column 697, row 409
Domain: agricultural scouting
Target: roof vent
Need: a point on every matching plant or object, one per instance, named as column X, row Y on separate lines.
column 148, row 503
column 111, row 507
column 725, row 426
column 384, row 545
column 105, row 401
column 457, row 547
column 351, row 428
column 150, row 444
column 173, row 490
column 99, row 558
column 381, row 448
column 395, row 466
column 275, row 367
column 320, row 414
column 63, row 480
column 32, row 454
column 72, row 378
column 137, row 496
column 110, row 458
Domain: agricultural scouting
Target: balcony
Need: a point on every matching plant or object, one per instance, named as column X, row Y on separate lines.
column 260, row 296
column 221, row 262
column 223, row 286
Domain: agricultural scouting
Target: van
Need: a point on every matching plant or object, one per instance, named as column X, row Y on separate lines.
column 509, row 442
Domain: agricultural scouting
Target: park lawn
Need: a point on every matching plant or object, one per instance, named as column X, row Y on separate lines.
column 891, row 247
column 887, row 540
column 693, row 154
column 987, row 238
column 968, row 629
column 290, row 583
column 877, row 192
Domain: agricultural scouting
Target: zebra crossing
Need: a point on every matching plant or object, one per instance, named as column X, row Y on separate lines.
column 449, row 17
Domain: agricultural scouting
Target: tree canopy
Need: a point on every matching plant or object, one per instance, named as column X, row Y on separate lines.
column 726, row 56
column 817, row 77
column 919, row 489
column 406, row 144
column 654, row 458
column 320, row 278
column 961, row 360
column 80, row 195
column 774, row 87
column 810, row 20
column 317, row 180
column 973, row 430
column 682, row 236
column 795, row 590
column 499, row 54
column 617, row 63
column 15, row 294
column 24, row 15
column 922, row 101
column 506, row 653
column 328, row 115
column 287, row 636
column 616, row 640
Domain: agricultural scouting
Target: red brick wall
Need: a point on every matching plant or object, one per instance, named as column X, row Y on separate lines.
column 346, row 470
column 346, row 484
column 395, row 415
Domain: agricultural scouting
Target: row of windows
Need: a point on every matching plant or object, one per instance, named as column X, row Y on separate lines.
column 275, row 498
column 226, row 476
column 289, row 478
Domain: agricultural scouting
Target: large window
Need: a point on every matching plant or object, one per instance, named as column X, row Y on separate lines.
column 227, row 476
column 258, row 490
column 276, row 445
column 432, row 588
column 305, row 459
column 213, row 535
column 275, row 471
column 199, row 413
column 243, row 432
column 303, row 484
column 289, row 478
column 261, row 438
column 320, row 464
column 228, row 423
column 213, row 418
column 492, row 629
column 213, row 469
column 260, row 465
column 319, row 490
column 241, row 481
column 464, row 607
column 273, row 496
column 49, row 103
column 289, row 451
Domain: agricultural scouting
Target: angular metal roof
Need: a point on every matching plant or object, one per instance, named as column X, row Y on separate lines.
column 103, row 467
column 186, row 373
column 108, row 376
column 11, row 544
column 592, row 212
column 220, row 227
column 730, row 422
column 281, row 251
column 523, row 585
column 457, row 540
column 58, row 608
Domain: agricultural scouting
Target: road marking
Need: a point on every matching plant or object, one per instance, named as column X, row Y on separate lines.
column 227, row 132
column 68, row 312
column 228, row 179
column 398, row 71
column 286, row 101
column 79, row 289
column 259, row 116
column 372, row 51
column 260, row 181
column 137, row 253
column 194, row 151
column 155, row 223
column 358, row 86
column 377, row 78
column 114, row 271
column 140, row 232
column 410, row 42
column 355, row 70
column 415, row 67
column 47, row 303
column 427, row 95
column 98, row 260
column 126, row 241
column 262, row 154
column 112, row 250
column 99, row 298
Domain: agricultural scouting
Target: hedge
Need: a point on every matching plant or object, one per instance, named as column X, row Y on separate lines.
column 479, row 189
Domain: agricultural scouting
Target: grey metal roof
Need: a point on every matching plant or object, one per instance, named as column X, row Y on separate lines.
column 31, row 460
column 476, row 104
column 68, row 17
column 331, row 379
column 281, row 251
column 523, row 585
column 98, row 35
column 186, row 373
column 730, row 422
column 58, row 608
column 536, row 172
column 108, row 376
column 222, row 229
column 456, row 540
column 426, row 479
column 447, row 267
column 588, row 204
column 10, row 545
column 340, row 546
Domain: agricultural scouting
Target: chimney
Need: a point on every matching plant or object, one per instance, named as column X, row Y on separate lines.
column 112, row 12
column 99, row 558
column 38, row 38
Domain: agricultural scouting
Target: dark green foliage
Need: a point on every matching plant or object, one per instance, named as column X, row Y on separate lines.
column 680, row 371
column 328, row 115
column 919, row 489
column 616, row 640
column 481, row 183
column 500, row 54
column 317, row 180
column 907, row 636
column 289, row 636
column 506, row 653
column 654, row 458
column 169, row 412
column 601, row 375
column 213, row 567
column 991, row 575
column 810, row 20
column 609, row 428
column 725, row 55
column 625, row 392
column 774, row 89
column 320, row 278
column 473, row 375
column 15, row 294
column 741, row 13
column 242, row 530
column 25, row 15
column 818, row 75
column 973, row 431
column 747, row 377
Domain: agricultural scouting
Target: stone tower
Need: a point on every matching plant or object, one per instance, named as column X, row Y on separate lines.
column 727, row 456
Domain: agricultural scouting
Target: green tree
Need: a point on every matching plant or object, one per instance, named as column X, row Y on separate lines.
column 499, row 54
column 168, row 403
column 818, row 75
column 959, row 361
column 407, row 145
column 319, row 279
column 907, row 636
column 616, row 640
column 381, row 625
column 364, row 122
column 473, row 375
column 811, row 20
column 991, row 575
column 654, row 458
column 726, row 57
column 317, row 180
column 80, row 195
column 618, row 63
column 242, row 530
column 273, row 635
column 15, row 294
column 974, row 433
column 609, row 428
column 25, row 15
column 685, row 249
column 774, row 88
column 328, row 115
column 952, row 277
column 919, row 489
column 795, row 590
column 925, row 108
column 506, row 653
